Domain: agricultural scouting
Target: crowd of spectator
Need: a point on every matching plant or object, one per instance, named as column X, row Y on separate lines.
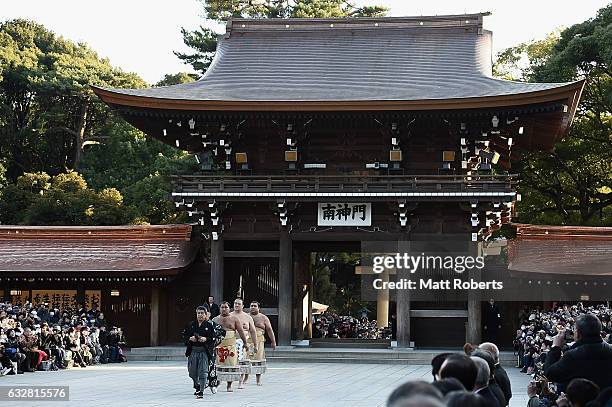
column 534, row 339
column 330, row 325
column 567, row 351
column 472, row 378
column 44, row 338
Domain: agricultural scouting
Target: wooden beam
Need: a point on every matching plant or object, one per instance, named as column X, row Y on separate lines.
column 229, row 235
column 438, row 313
column 251, row 253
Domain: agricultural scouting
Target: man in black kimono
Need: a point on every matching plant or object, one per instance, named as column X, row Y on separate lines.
column 201, row 338
column 492, row 322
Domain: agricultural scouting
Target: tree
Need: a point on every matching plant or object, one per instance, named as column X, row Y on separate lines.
column 177, row 78
column 150, row 197
column 323, row 289
column 139, row 167
column 16, row 198
column 66, row 199
column 47, row 112
column 517, row 63
column 51, row 123
column 571, row 185
column 204, row 40
column 2, row 175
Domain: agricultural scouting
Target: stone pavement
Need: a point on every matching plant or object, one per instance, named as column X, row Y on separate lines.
column 294, row 385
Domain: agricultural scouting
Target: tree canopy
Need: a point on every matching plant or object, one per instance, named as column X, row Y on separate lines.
column 572, row 184
column 140, row 167
column 177, row 78
column 51, row 125
column 65, row 199
column 203, row 41
column 47, row 110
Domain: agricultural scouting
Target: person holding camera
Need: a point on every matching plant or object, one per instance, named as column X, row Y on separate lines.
column 588, row 358
column 85, row 345
column 114, row 341
column 72, row 344
column 540, row 393
column 6, row 364
column 13, row 351
column 94, row 344
column 51, row 343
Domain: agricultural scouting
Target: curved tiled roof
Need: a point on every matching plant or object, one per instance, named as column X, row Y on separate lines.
column 50, row 249
column 371, row 59
column 571, row 250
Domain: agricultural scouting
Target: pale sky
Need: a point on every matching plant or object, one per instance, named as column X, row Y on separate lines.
column 140, row 35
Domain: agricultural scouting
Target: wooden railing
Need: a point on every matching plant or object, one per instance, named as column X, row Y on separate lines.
column 344, row 183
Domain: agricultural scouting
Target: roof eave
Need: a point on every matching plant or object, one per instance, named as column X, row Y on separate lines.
column 570, row 93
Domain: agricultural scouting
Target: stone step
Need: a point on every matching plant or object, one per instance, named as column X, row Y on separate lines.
column 349, row 343
column 318, row 355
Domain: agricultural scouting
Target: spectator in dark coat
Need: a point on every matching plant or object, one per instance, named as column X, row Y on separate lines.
column 449, row 385
column 93, row 312
column 501, row 377
column 588, row 358
column 103, row 341
column 100, row 321
column 491, row 321
column 404, row 394
column 579, row 393
column 436, row 364
column 113, row 339
column 214, row 308
column 492, row 385
column 464, row 399
column 481, row 385
column 462, row 368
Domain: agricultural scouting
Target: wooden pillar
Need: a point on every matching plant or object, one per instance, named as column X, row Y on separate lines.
column 216, row 270
column 155, row 300
column 474, row 324
column 403, row 302
column 163, row 315
column 81, row 295
column 302, row 282
column 308, row 332
column 307, row 258
column 285, row 288
column 382, row 303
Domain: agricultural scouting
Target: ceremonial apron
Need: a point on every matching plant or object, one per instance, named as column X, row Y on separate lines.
column 258, row 360
column 228, row 369
column 243, row 355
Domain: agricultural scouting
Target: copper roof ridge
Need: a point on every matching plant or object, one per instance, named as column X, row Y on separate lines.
column 358, row 20
column 115, row 233
column 534, row 226
column 532, row 231
column 311, row 24
column 324, row 19
column 80, row 227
